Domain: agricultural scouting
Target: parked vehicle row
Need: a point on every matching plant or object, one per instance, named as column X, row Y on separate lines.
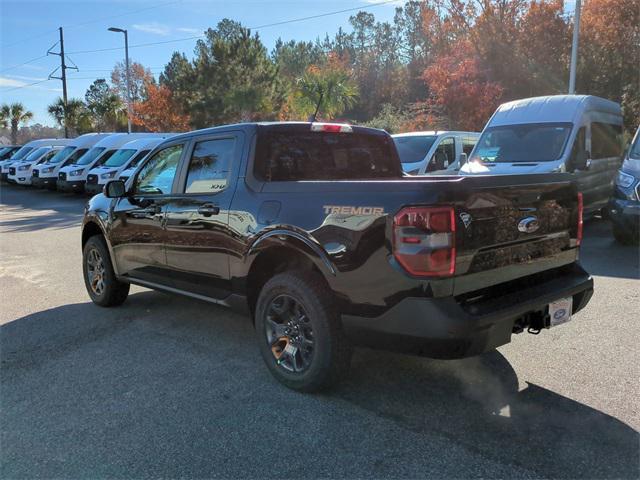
column 83, row 164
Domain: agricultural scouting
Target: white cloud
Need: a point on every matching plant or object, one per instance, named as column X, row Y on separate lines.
column 11, row 82
column 31, row 79
column 154, row 28
column 193, row 31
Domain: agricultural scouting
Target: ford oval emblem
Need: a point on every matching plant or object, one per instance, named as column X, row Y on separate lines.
column 528, row 224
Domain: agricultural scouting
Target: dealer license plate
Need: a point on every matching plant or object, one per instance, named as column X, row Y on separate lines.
column 560, row 311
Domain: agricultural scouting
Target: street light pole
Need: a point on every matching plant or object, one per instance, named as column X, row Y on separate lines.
column 574, row 49
column 126, row 62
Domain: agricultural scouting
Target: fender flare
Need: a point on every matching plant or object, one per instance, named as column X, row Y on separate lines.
column 292, row 239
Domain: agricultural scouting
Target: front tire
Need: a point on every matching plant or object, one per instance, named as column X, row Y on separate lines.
column 99, row 277
column 299, row 332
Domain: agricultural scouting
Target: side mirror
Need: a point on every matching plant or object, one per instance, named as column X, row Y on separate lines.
column 115, row 189
column 463, row 159
column 582, row 160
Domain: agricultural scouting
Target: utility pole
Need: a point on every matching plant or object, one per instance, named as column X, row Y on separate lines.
column 574, row 49
column 63, row 76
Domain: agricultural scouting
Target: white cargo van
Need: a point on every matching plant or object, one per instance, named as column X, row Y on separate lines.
column 581, row 134
column 425, row 153
column 25, row 150
column 46, row 174
column 73, row 177
column 20, row 172
column 130, row 152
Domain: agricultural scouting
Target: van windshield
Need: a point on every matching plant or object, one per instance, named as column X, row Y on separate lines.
column 531, row 142
column 119, row 158
column 61, row 155
column 90, row 156
column 37, row 153
column 413, row 149
column 23, row 152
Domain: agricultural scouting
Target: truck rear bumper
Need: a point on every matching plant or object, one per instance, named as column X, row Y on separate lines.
column 457, row 327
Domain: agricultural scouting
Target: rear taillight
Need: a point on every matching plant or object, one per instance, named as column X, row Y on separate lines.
column 580, row 212
column 424, row 240
column 331, row 127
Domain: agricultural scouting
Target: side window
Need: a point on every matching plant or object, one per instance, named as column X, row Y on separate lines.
column 209, row 166
column 578, row 145
column 156, row 176
column 443, row 156
column 606, row 140
column 467, row 145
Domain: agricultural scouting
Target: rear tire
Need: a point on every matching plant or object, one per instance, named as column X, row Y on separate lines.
column 99, row 277
column 320, row 348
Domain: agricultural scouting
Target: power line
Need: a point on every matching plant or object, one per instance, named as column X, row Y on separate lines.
column 27, row 85
column 25, row 63
column 275, row 24
column 96, row 20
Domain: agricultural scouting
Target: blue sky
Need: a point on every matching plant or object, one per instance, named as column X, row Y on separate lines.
column 28, row 29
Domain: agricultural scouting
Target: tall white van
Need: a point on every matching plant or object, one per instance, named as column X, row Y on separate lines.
column 581, row 134
column 46, row 174
column 72, row 177
column 111, row 168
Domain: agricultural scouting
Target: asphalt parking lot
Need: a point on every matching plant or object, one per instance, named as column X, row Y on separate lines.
column 166, row 386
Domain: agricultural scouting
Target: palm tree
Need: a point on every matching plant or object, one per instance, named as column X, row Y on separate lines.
column 74, row 117
column 14, row 115
column 327, row 90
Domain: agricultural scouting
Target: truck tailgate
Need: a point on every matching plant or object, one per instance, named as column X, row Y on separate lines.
column 520, row 224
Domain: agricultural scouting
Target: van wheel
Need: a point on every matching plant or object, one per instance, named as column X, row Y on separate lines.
column 99, row 278
column 300, row 333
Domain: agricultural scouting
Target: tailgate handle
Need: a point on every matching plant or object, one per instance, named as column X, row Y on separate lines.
column 207, row 210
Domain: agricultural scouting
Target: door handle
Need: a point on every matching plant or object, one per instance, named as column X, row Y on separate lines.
column 151, row 210
column 207, row 210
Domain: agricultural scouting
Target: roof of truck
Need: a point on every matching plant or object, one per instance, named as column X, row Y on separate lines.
column 554, row 108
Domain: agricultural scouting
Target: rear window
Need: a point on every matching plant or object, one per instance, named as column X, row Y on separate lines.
column 294, row 155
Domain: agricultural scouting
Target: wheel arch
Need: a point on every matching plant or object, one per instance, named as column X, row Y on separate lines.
column 279, row 251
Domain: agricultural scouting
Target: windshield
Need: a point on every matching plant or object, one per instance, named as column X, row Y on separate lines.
column 119, row 158
column 90, row 156
column 20, row 154
column 533, row 142
column 137, row 158
column 413, row 149
column 37, row 153
column 61, row 155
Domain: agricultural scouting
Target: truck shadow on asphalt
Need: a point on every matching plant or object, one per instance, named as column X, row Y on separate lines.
column 167, row 386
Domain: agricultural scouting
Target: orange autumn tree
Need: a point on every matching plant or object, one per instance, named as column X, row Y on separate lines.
column 159, row 112
column 461, row 90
